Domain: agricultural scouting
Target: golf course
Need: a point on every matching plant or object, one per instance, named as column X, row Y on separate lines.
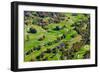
column 50, row 36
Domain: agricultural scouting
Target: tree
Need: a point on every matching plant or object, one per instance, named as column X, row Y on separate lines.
column 32, row 30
